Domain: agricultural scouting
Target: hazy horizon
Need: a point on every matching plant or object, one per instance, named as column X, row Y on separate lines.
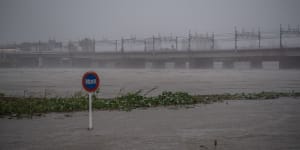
column 34, row 20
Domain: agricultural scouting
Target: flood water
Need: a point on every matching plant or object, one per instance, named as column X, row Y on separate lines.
column 115, row 82
column 235, row 125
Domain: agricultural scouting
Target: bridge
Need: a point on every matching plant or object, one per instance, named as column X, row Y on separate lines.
column 286, row 58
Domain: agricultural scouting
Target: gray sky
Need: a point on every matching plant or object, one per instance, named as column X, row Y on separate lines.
column 32, row 20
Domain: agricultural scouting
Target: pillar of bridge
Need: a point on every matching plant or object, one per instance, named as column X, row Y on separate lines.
column 94, row 64
column 187, row 65
column 203, row 63
column 227, row 64
column 65, row 62
column 170, row 65
column 53, row 62
column 292, row 62
column 256, row 64
column 26, row 62
column 15, row 61
column 40, row 62
column 181, row 64
column 270, row 65
column 7, row 62
column 218, row 65
column 101, row 63
column 148, row 65
column 3, row 58
column 81, row 63
column 242, row 65
column 158, row 64
column 110, row 65
column 132, row 63
column 12, row 62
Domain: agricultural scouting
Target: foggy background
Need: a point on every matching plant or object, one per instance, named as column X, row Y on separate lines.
column 33, row 20
column 47, row 45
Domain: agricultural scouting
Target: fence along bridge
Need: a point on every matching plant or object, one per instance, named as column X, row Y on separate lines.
column 286, row 58
column 192, row 54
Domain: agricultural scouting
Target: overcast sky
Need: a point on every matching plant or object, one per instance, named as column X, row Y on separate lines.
column 32, row 20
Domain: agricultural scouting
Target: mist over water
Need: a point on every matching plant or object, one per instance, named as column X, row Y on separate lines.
column 46, row 46
column 115, row 82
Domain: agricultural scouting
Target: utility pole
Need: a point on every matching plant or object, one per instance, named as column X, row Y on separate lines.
column 94, row 45
column 189, row 41
column 145, row 43
column 259, row 37
column 280, row 36
column 39, row 46
column 153, row 43
column 159, row 42
column 116, row 45
column 122, row 45
column 235, row 38
column 176, row 43
column 212, row 41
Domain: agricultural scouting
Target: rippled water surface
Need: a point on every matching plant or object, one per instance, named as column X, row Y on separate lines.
column 65, row 82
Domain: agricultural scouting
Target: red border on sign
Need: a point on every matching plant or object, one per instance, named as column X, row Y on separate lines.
column 97, row 81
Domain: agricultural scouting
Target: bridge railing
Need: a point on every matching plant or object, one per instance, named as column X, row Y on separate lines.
column 239, row 39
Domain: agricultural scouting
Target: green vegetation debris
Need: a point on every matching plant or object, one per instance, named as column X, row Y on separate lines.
column 27, row 107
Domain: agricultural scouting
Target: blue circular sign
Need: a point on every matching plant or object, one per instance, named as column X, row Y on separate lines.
column 90, row 81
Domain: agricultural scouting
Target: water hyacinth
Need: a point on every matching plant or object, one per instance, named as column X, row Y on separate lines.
column 28, row 107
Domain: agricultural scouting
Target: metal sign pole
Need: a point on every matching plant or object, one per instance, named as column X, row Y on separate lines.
column 90, row 112
column 90, row 82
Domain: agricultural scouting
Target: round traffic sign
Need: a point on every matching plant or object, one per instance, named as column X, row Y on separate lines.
column 90, row 81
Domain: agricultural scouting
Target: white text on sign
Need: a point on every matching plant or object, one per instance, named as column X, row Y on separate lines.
column 90, row 81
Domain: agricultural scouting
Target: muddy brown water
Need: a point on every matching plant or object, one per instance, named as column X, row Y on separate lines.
column 235, row 125
column 114, row 82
